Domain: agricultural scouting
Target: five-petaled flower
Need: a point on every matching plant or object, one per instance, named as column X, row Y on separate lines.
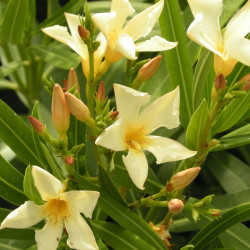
column 60, row 208
column 121, row 39
column 228, row 48
column 75, row 42
column 132, row 131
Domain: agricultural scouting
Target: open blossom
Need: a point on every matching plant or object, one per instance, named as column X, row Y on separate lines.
column 121, row 38
column 60, row 209
column 132, row 131
column 75, row 42
column 228, row 48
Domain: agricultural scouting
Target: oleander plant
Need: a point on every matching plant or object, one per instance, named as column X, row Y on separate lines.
column 134, row 132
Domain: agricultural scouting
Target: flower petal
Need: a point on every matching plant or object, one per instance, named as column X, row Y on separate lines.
column 142, row 24
column 163, row 112
column 237, row 46
column 137, row 166
column 48, row 186
column 125, row 46
column 24, row 216
column 104, row 22
column 61, row 34
column 73, row 22
column 81, row 236
column 112, row 137
column 129, row 102
column 82, row 201
column 167, row 150
column 123, row 9
column 49, row 237
column 155, row 43
column 205, row 29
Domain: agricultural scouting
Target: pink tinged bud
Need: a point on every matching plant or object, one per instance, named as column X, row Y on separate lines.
column 65, row 85
column 113, row 115
column 77, row 107
column 69, row 160
column 214, row 212
column 100, row 94
column 246, row 86
column 220, row 82
column 184, row 178
column 37, row 125
column 175, row 206
column 59, row 110
column 149, row 68
column 83, row 33
column 170, row 187
column 73, row 80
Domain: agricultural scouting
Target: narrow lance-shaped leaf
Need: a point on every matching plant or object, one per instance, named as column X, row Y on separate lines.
column 216, row 227
column 17, row 135
column 11, row 183
column 196, row 126
column 14, row 19
column 178, row 60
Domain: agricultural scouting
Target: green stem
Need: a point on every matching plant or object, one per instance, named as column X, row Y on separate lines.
column 90, row 87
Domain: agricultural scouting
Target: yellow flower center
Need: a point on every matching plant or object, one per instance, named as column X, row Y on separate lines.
column 56, row 210
column 135, row 138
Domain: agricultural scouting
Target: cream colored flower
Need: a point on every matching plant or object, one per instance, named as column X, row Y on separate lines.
column 132, row 131
column 60, row 208
column 228, row 48
column 75, row 42
column 121, row 38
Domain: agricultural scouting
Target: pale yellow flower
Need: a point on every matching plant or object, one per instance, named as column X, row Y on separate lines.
column 132, row 131
column 229, row 47
column 60, row 209
column 75, row 42
column 121, row 38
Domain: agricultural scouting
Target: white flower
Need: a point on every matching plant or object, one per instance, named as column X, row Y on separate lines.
column 60, row 208
column 121, row 39
column 228, row 48
column 75, row 42
column 132, row 131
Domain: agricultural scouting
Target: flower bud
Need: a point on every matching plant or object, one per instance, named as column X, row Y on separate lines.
column 220, row 82
column 73, row 80
column 213, row 212
column 77, row 107
column 170, row 187
column 100, row 98
column 184, row 178
column 149, row 69
column 65, row 85
column 59, row 110
column 83, row 33
column 175, row 206
column 113, row 115
column 37, row 125
column 246, row 86
column 69, row 160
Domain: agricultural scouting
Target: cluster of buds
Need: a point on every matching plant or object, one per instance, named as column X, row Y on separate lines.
column 105, row 116
column 203, row 207
column 72, row 84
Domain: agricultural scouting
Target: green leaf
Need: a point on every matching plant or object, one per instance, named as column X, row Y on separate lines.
column 60, row 57
column 107, row 185
column 231, row 114
column 16, row 134
column 73, row 6
column 237, row 138
column 8, row 68
column 124, row 216
column 6, row 84
column 201, row 73
column 196, row 126
column 11, row 183
column 178, row 59
column 232, row 174
column 188, row 247
column 14, row 21
column 216, row 227
column 117, row 237
column 30, row 189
